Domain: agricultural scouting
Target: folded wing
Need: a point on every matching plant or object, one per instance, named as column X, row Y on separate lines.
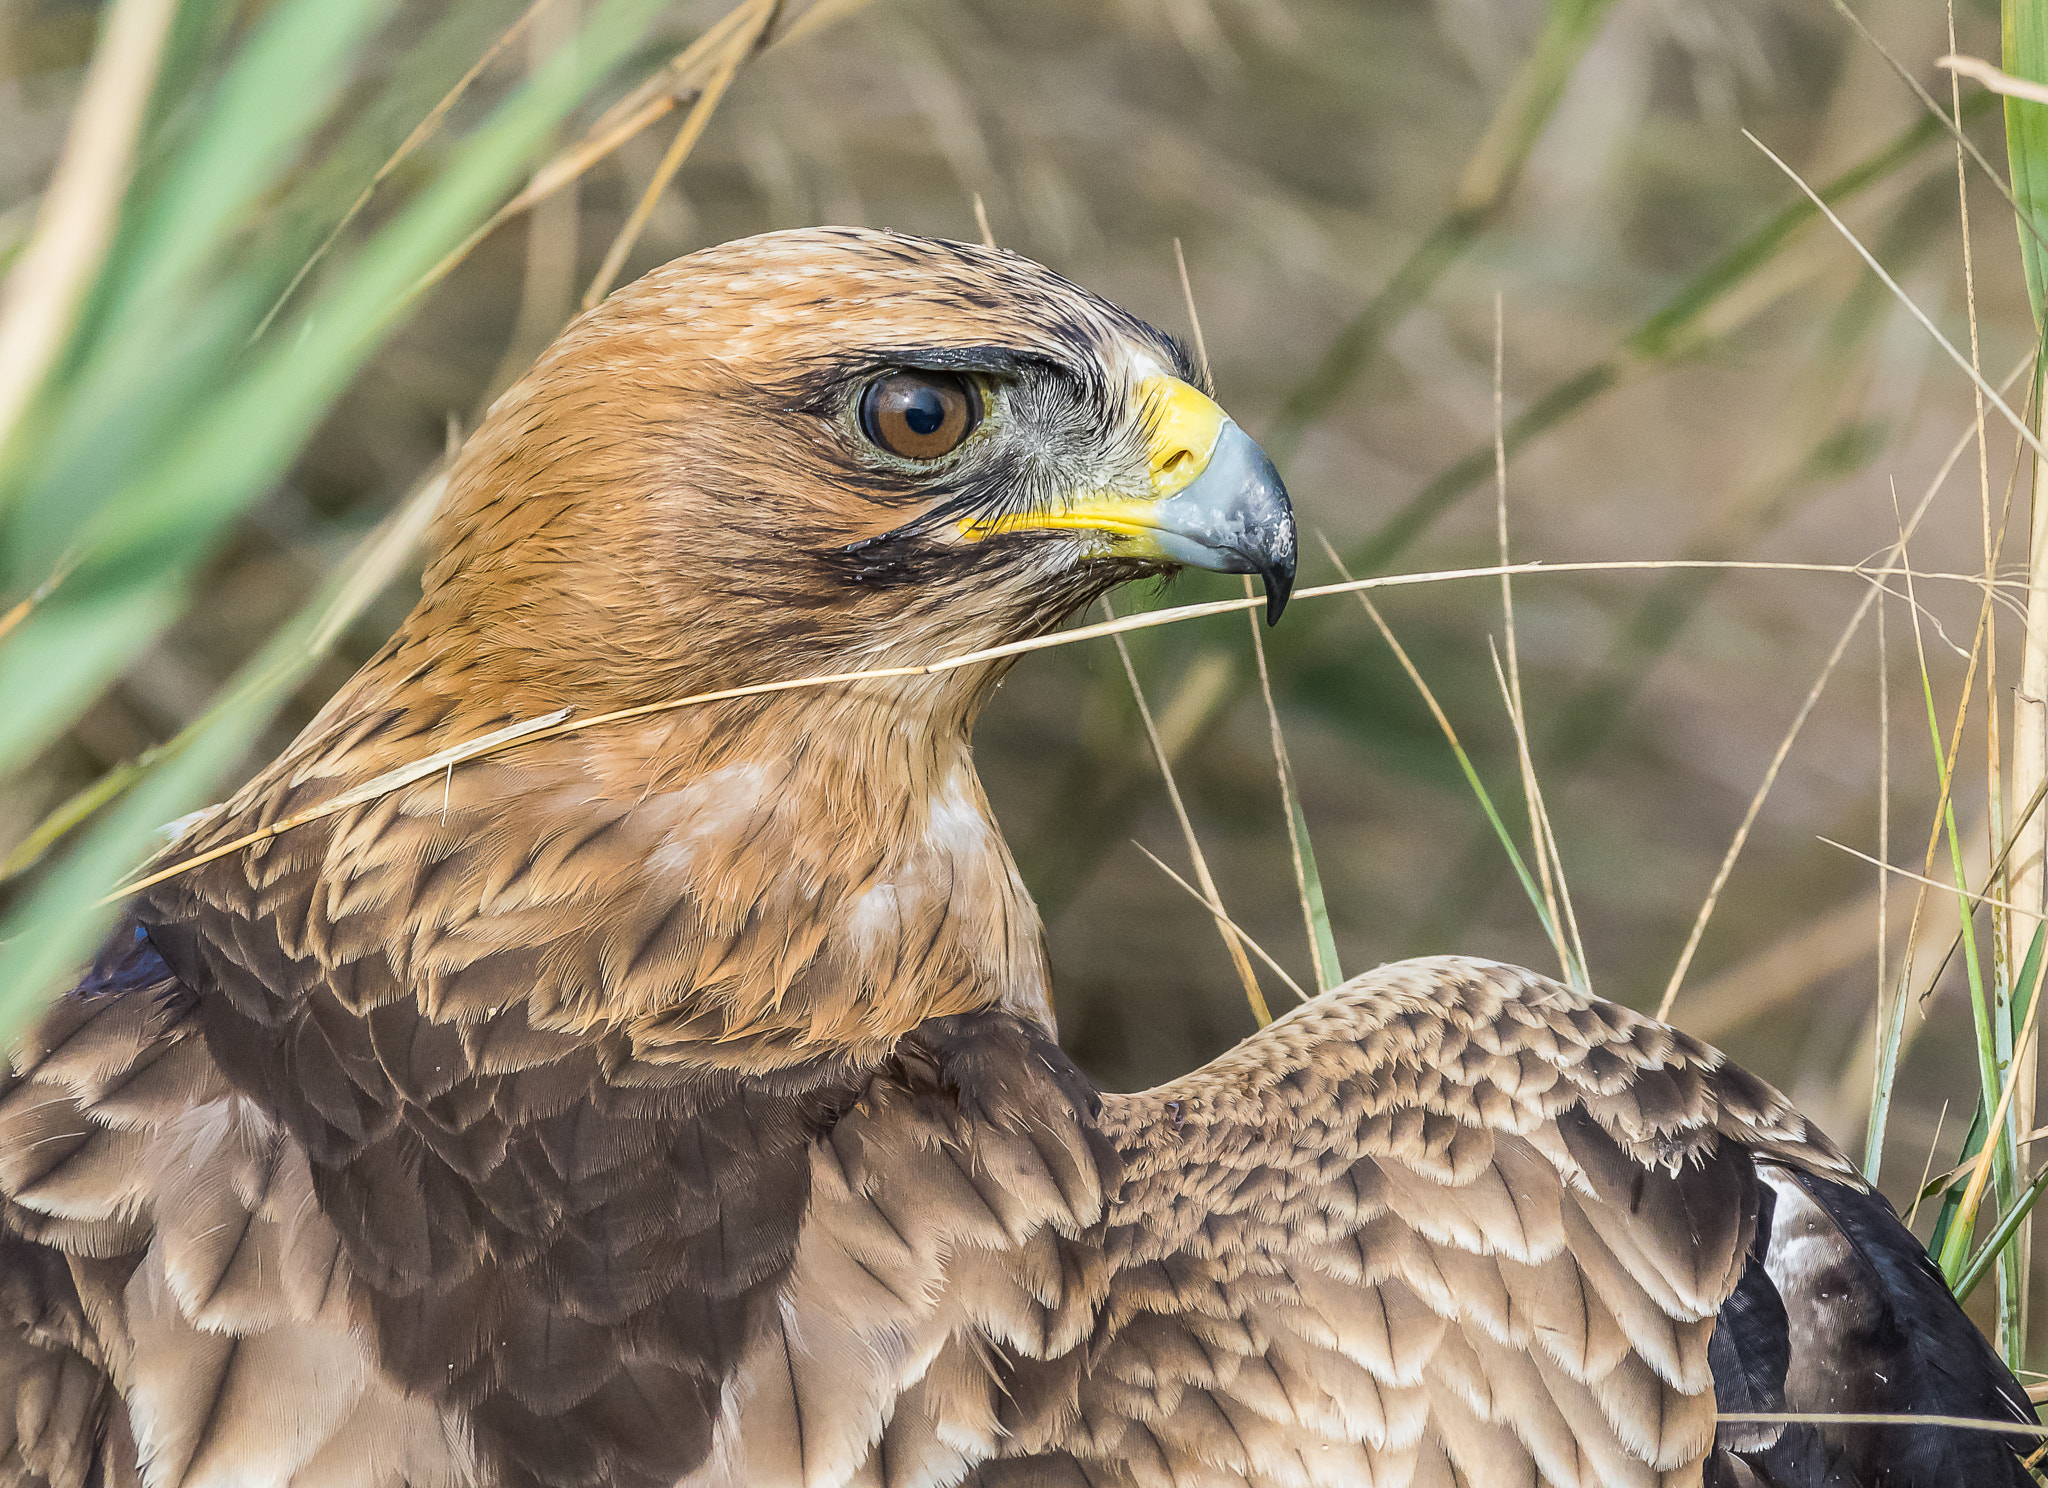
column 1455, row 1224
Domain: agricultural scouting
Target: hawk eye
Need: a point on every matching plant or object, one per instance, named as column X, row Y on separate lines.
column 919, row 415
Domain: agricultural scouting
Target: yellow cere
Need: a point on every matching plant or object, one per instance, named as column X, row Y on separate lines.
column 1183, row 424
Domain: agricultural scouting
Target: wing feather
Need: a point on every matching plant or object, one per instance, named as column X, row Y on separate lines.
column 1452, row 1217
column 211, row 1340
column 1449, row 1225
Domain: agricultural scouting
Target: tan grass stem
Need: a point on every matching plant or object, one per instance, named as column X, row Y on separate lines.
column 1236, row 929
column 1756, row 801
column 2032, row 439
column 1973, row 899
column 558, row 723
column 1875, row 1418
column 1559, row 920
column 75, row 223
column 426, row 129
column 747, row 37
column 1224, row 925
column 656, row 97
column 1996, row 79
column 1897, row 555
column 1326, row 971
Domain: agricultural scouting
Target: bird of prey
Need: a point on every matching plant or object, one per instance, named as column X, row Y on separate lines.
column 670, row 1096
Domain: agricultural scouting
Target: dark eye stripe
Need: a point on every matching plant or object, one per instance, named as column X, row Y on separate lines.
column 919, row 415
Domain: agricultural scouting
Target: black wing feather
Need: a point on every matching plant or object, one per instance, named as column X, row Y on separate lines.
column 1842, row 1312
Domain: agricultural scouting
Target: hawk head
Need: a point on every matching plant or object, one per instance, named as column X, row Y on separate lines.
column 833, row 450
column 800, row 456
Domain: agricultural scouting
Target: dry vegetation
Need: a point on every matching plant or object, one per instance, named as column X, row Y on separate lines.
column 1692, row 364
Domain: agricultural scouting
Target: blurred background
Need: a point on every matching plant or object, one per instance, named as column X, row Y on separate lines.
column 1691, row 368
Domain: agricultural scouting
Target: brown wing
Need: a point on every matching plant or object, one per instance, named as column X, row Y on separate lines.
column 512, row 1258
column 948, row 1278
column 1450, row 1224
column 195, row 1299
column 54, row 1392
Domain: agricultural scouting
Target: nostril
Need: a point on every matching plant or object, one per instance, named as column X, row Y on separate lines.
column 1177, row 465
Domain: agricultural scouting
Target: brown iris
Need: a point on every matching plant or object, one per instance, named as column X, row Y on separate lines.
column 919, row 415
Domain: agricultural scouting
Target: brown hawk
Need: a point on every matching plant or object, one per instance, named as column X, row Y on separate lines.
column 675, row 1100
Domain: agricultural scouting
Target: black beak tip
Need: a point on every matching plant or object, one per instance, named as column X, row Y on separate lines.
column 1276, row 562
column 1279, row 579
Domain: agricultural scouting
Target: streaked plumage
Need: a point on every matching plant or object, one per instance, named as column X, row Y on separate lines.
column 676, row 1101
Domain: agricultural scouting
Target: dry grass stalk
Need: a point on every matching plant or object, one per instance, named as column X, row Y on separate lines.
column 1897, row 556
column 2008, row 952
column 1325, row 974
column 1290, row 792
column 1217, row 910
column 553, row 724
column 683, row 78
column 1560, row 917
column 426, row 129
column 1819, row 947
column 547, row 279
column 1873, row 1418
column 1998, row 81
column 2027, row 886
column 1980, row 1175
column 2018, row 423
column 1756, row 801
column 746, row 37
column 1224, row 925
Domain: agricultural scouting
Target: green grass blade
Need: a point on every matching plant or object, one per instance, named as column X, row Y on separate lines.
column 1575, row 974
column 58, row 924
column 80, row 807
column 1507, row 842
column 1585, row 719
column 1888, row 1049
column 1067, row 849
column 1990, row 1072
column 1308, row 882
column 282, row 84
column 140, row 547
column 2027, row 986
column 1323, row 944
column 2003, row 1234
column 1952, row 1193
column 2024, row 37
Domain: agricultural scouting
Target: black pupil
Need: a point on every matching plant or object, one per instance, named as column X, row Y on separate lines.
column 924, row 410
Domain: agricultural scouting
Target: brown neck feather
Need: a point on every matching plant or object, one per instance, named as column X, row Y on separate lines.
column 745, row 884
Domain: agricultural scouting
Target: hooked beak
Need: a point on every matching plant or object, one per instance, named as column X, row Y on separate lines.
column 1216, row 501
